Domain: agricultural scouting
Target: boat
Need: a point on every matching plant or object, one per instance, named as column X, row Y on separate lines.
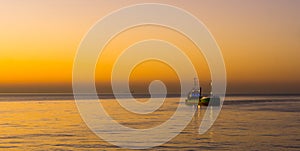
column 195, row 97
column 195, row 94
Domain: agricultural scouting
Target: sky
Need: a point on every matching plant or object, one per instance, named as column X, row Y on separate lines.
column 259, row 41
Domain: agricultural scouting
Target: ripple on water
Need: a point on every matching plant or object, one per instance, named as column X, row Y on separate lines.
column 49, row 125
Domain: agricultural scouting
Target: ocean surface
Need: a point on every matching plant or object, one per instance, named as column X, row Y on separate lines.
column 246, row 122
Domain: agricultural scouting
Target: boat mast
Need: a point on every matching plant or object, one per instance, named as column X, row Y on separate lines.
column 197, row 87
column 196, row 83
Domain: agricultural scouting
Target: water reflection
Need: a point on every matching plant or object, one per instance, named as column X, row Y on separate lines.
column 56, row 125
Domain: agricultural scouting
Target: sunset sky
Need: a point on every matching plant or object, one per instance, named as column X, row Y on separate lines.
column 260, row 43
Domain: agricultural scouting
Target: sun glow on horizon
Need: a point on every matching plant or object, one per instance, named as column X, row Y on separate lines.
column 259, row 42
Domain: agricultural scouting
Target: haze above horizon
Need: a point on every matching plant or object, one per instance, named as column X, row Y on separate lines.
column 259, row 41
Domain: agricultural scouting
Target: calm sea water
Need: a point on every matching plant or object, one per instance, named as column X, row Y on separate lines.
column 52, row 122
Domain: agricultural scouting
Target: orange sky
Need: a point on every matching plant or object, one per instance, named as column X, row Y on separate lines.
column 259, row 41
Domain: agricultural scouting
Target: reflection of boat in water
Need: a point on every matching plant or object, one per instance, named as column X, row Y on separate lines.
column 195, row 97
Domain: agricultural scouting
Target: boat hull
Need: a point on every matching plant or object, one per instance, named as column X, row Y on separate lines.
column 205, row 101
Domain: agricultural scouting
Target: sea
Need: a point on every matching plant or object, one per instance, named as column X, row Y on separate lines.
column 246, row 122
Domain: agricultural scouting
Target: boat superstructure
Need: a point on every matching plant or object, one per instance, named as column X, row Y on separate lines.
column 195, row 94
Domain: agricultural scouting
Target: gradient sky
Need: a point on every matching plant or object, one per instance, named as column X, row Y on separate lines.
column 260, row 42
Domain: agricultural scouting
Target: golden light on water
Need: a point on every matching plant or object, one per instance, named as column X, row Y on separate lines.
column 260, row 45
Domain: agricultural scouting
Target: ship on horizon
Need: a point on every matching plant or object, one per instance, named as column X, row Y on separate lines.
column 195, row 96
